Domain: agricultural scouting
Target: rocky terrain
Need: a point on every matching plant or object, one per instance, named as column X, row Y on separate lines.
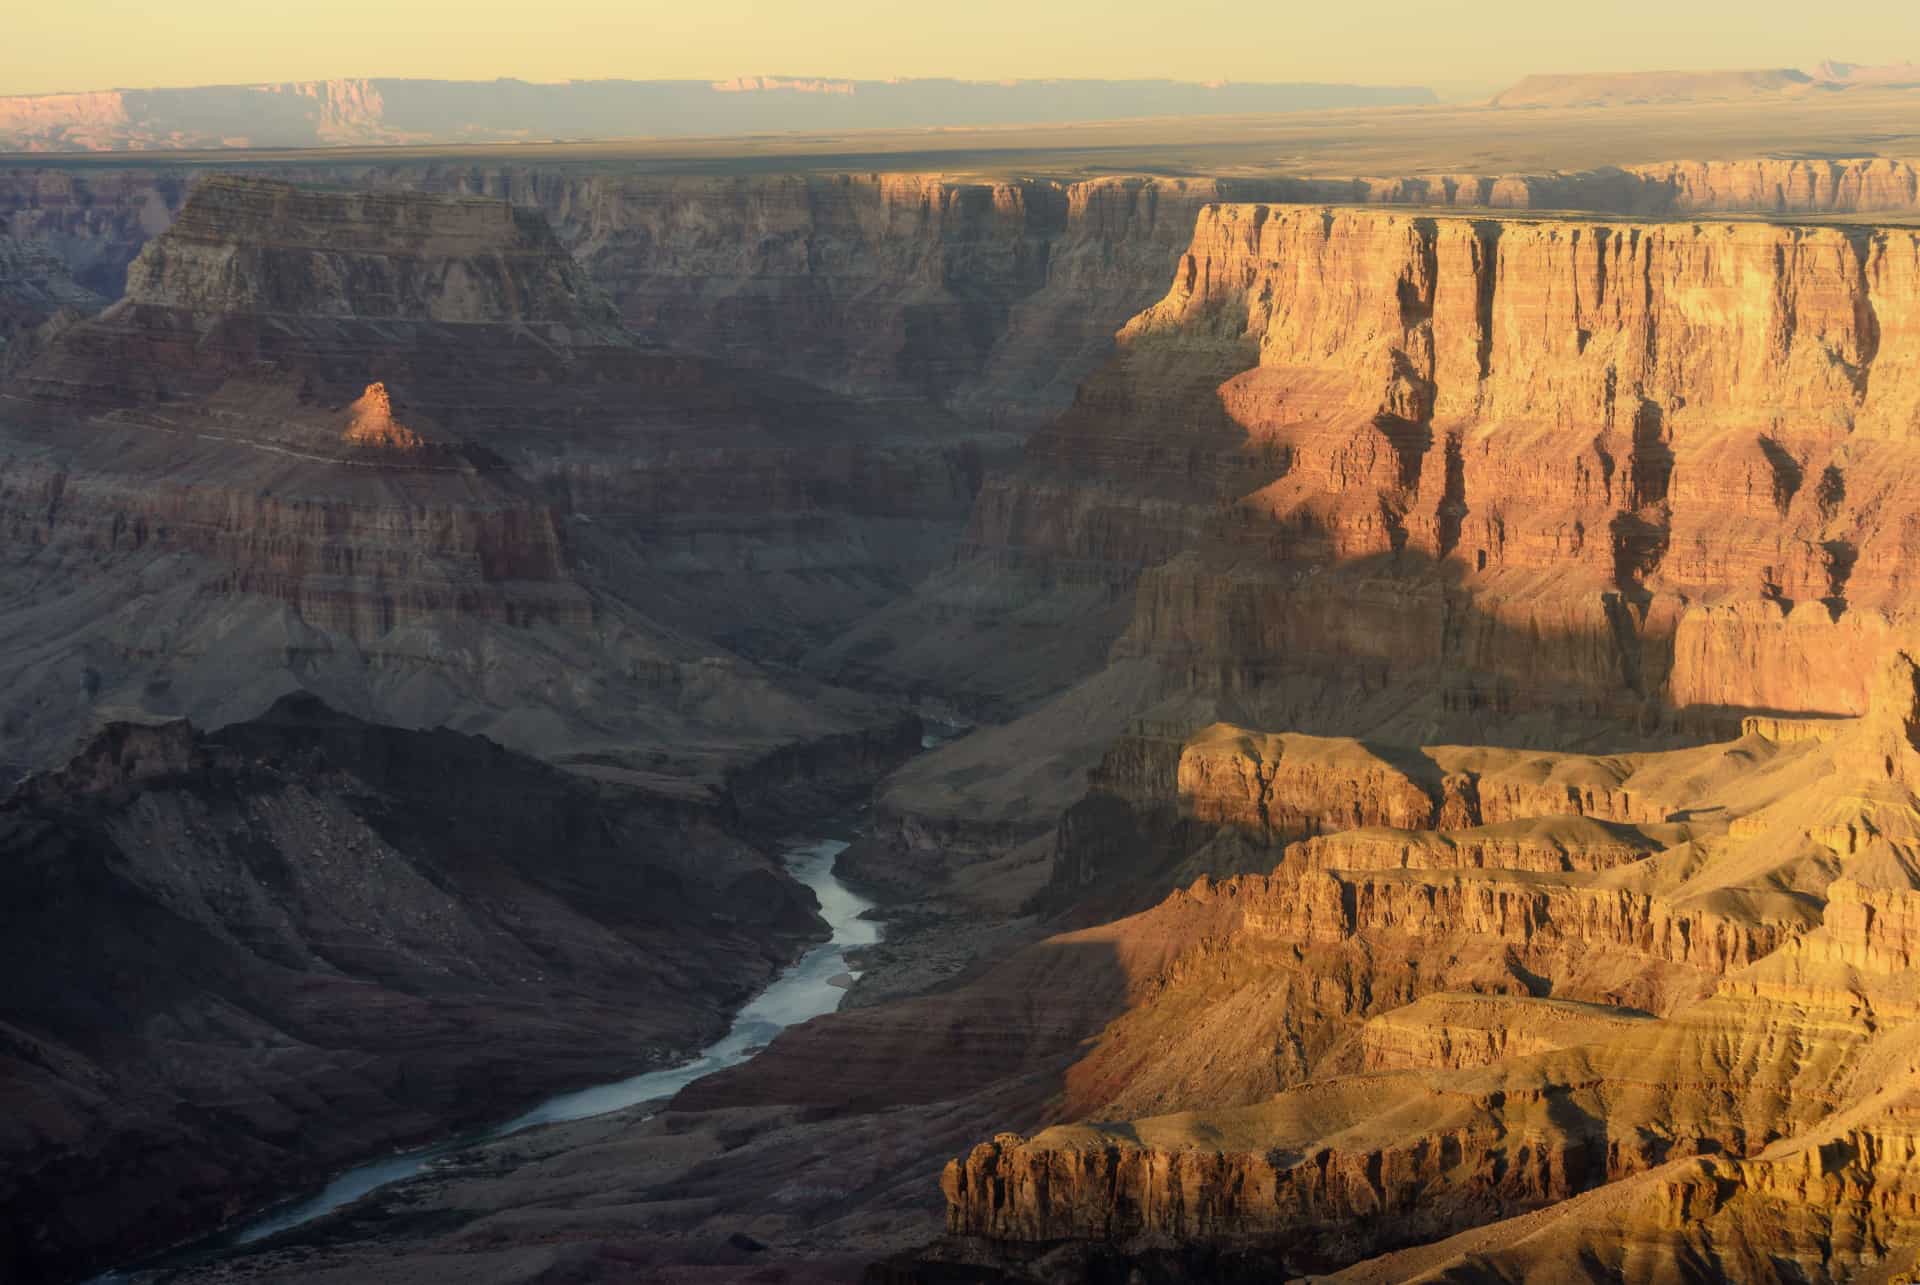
column 239, row 959
column 1713, row 1033
column 1543, row 482
column 37, row 296
column 1443, row 804
column 553, row 533
column 1455, row 821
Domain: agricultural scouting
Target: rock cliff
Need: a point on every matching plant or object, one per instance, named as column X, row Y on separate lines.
column 1455, row 1047
column 397, row 450
column 35, row 289
column 999, row 296
column 1507, row 467
column 239, row 960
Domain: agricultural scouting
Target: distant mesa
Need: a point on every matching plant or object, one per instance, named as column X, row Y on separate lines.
column 1617, row 89
column 1902, row 74
column 361, row 112
column 781, row 84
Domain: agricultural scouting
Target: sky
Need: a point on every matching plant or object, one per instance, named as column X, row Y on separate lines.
column 1453, row 47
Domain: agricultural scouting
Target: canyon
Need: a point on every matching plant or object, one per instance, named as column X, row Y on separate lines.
column 241, row 958
column 1437, row 798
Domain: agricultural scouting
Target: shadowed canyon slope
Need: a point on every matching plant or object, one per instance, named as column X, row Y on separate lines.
column 238, row 960
column 553, row 534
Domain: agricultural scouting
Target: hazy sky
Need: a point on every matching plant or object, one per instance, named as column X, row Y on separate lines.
column 91, row 44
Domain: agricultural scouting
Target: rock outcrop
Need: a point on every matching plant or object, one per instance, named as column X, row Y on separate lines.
column 239, row 960
column 1455, row 1047
column 398, row 451
column 1515, row 474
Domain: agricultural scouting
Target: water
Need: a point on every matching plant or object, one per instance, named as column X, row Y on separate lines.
column 803, row 991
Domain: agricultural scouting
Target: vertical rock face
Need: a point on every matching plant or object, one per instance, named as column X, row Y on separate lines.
column 997, row 297
column 1520, row 464
column 993, row 298
column 1503, row 481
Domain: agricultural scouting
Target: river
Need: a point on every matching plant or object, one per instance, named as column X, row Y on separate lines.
column 806, row 989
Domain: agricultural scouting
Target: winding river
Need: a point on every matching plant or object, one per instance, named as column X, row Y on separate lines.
column 806, row 989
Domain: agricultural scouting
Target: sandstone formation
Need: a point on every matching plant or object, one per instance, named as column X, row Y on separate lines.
column 370, row 423
column 1740, row 995
column 238, row 960
column 1513, row 479
column 535, row 526
column 1533, row 483
column 998, row 296
column 1454, row 811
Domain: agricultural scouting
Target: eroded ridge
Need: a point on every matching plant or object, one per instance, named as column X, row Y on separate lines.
column 1688, row 1037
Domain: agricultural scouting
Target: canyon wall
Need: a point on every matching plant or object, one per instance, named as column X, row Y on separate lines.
column 397, row 450
column 997, row 296
column 241, row 960
column 1446, row 467
column 1339, row 1061
column 36, row 287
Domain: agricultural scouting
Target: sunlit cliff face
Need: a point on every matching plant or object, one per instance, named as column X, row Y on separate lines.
column 372, row 423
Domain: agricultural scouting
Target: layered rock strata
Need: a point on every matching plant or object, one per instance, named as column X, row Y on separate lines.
column 36, row 288
column 1000, row 296
column 1457, row 1047
column 398, row 451
column 1436, row 478
column 238, row 960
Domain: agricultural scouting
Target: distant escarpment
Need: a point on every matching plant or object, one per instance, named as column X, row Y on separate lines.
column 389, row 110
column 1615, row 89
column 239, row 960
column 398, row 451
